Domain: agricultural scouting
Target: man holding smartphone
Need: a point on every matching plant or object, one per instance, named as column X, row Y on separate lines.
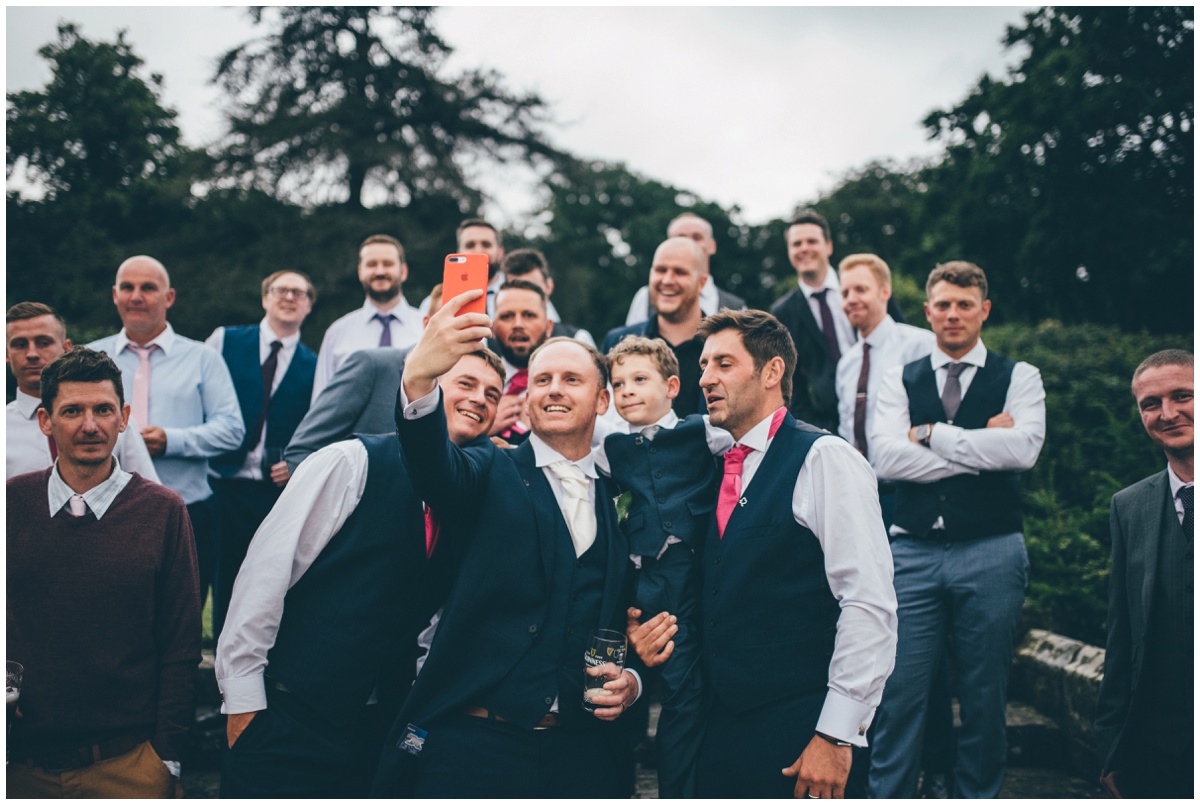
column 503, row 681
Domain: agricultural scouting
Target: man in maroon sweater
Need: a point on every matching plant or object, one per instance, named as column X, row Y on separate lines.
column 103, row 605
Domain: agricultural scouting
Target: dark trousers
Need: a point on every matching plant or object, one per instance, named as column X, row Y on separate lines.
column 290, row 751
column 671, row 584
column 742, row 754
column 239, row 506
column 201, row 516
column 469, row 757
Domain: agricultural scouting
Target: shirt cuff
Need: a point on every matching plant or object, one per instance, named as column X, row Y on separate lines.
column 638, row 677
column 845, row 719
column 422, row 407
column 243, row 694
column 176, row 441
column 174, row 767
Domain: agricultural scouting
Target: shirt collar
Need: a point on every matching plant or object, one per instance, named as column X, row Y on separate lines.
column 495, row 282
column 759, row 436
column 831, row 283
column 165, row 340
column 98, row 498
column 266, row 335
column 1175, row 481
column 976, row 357
column 27, row 404
column 400, row 310
column 882, row 332
column 669, row 421
column 544, row 455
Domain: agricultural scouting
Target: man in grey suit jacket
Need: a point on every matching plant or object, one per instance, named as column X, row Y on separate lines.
column 1145, row 717
column 360, row 398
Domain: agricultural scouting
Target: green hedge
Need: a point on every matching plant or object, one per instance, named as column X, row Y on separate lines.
column 1095, row 445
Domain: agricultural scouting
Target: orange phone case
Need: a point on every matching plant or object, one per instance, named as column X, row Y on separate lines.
column 465, row 272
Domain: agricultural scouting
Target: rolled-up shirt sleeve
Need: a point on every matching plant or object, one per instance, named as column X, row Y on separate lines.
column 896, row 457
column 835, row 498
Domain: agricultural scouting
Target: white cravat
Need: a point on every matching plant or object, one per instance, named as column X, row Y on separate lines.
column 78, row 505
column 577, row 508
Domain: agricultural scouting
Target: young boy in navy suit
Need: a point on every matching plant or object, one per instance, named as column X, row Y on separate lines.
column 667, row 466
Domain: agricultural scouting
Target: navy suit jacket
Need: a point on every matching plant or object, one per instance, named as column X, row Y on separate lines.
column 1140, row 515
column 497, row 606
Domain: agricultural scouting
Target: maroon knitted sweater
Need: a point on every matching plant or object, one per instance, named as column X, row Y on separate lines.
column 105, row 617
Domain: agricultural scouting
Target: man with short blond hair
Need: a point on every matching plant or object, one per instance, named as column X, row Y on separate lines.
column 953, row 430
column 35, row 336
column 386, row 319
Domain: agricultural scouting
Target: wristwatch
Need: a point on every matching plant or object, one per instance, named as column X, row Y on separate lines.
column 834, row 741
column 923, row 433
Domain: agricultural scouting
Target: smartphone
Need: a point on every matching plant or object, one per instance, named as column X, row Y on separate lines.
column 463, row 273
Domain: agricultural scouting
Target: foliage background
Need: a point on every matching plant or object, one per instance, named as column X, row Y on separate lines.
column 1070, row 180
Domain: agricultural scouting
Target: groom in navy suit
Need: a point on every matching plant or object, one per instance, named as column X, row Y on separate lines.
column 1145, row 718
column 497, row 708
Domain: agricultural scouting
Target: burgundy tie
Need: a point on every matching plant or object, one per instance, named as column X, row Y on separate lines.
column 432, row 529
column 516, row 385
column 860, row 402
column 827, row 328
column 268, row 381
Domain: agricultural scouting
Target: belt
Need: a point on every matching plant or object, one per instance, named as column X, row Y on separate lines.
column 548, row 721
column 60, row 760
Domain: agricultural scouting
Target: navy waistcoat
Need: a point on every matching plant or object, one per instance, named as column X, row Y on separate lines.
column 770, row 617
column 971, row 506
column 350, row 623
column 673, row 480
column 289, row 403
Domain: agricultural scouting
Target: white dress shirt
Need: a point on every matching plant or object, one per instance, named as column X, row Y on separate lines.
column 359, row 329
column 252, row 467
column 29, row 449
column 98, row 498
column 835, row 498
column 954, row 450
column 891, row 345
column 846, row 334
column 319, row 498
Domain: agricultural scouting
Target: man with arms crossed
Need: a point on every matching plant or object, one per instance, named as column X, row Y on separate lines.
column 319, row 647
column 953, row 430
column 1145, row 719
column 497, row 708
column 799, row 612
column 103, row 605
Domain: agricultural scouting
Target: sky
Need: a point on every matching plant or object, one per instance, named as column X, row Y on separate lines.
column 763, row 108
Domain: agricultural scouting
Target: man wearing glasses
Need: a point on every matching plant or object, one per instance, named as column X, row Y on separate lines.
column 273, row 377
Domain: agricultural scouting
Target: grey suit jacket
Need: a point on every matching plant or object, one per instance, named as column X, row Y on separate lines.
column 1140, row 515
column 360, row 398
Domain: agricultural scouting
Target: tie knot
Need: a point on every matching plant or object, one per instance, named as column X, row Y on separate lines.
column 384, row 318
column 820, row 295
column 78, row 505
column 1185, row 495
column 955, row 369
column 143, row 352
column 276, row 346
column 574, row 481
column 736, row 457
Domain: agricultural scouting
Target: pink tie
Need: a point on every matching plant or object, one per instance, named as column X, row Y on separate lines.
column 731, row 483
column 140, row 403
column 432, row 529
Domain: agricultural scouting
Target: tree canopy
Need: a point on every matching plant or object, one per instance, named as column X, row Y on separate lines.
column 334, row 101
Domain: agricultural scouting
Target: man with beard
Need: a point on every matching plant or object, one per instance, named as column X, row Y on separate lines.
column 386, row 319
column 520, row 327
column 677, row 276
